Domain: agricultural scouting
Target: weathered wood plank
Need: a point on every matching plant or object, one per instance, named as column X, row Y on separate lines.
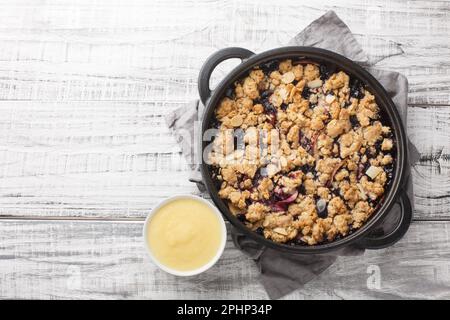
column 144, row 51
column 118, row 159
column 73, row 260
column 430, row 131
column 85, row 88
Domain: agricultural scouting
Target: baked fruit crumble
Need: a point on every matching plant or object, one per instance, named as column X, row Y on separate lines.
column 302, row 155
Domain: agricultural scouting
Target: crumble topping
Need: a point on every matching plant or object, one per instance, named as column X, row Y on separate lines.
column 315, row 157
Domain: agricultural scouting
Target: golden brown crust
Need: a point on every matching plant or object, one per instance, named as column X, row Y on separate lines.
column 327, row 158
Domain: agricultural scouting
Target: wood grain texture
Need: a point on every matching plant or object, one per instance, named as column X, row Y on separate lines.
column 102, row 260
column 118, row 159
column 152, row 50
column 84, row 87
column 429, row 130
column 82, row 125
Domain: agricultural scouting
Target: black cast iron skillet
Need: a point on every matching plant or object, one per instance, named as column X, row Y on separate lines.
column 368, row 235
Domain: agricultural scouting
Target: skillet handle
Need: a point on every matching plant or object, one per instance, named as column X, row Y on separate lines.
column 212, row 62
column 375, row 241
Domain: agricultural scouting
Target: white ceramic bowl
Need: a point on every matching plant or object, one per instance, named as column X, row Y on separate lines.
column 189, row 272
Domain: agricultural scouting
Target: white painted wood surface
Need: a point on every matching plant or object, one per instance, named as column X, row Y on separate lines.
column 84, row 87
column 104, row 260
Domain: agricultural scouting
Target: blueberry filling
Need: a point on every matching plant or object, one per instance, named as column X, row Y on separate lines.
column 282, row 196
column 229, row 93
column 326, row 72
column 269, row 108
column 389, row 169
column 354, row 121
column 214, row 174
column 301, row 189
column 305, row 142
column 256, row 178
column 305, row 92
column 270, row 66
column 356, row 89
column 298, row 242
column 241, row 217
column 266, row 94
column 215, row 123
column 307, row 168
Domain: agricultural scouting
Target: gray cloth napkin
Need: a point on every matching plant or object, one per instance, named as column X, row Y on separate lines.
column 282, row 273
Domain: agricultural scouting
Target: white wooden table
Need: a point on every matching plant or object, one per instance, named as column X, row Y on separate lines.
column 85, row 153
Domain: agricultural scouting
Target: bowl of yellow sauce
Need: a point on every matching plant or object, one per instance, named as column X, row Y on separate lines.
column 185, row 235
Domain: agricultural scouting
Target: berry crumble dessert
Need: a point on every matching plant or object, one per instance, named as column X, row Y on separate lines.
column 302, row 155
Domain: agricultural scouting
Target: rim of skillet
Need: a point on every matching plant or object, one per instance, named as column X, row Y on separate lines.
column 384, row 102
